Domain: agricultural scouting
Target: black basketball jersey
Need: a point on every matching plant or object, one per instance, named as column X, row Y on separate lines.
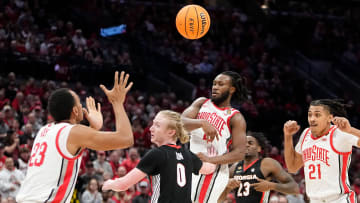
column 170, row 168
column 247, row 175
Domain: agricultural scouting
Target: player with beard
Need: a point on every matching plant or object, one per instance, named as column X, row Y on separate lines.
column 251, row 176
column 210, row 118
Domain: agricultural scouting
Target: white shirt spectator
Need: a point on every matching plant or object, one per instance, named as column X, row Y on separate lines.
column 10, row 179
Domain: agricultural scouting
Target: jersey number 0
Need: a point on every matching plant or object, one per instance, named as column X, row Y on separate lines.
column 180, row 175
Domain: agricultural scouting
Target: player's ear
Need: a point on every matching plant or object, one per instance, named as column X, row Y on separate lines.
column 75, row 111
column 232, row 90
column 259, row 149
column 171, row 132
column 330, row 118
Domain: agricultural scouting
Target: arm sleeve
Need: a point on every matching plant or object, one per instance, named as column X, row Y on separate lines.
column 197, row 163
column 343, row 142
column 299, row 143
column 150, row 163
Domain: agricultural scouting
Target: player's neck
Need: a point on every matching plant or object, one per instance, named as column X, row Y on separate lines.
column 249, row 160
column 224, row 104
column 323, row 132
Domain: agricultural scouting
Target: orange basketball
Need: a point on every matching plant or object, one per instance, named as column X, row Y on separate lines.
column 192, row 21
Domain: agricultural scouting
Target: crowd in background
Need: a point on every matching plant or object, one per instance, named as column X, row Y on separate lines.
column 235, row 42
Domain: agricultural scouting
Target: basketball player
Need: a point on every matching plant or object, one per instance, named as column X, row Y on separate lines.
column 210, row 118
column 324, row 151
column 251, row 176
column 56, row 155
column 170, row 166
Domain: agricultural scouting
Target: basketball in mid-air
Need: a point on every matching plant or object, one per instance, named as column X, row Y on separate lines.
column 192, row 21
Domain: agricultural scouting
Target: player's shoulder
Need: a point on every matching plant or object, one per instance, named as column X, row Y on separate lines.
column 341, row 134
column 200, row 101
column 269, row 162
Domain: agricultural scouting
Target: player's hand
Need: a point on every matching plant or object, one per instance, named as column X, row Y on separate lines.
column 203, row 157
column 342, row 123
column 108, row 185
column 233, row 183
column 210, row 131
column 262, row 185
column 118, row 93
column 290, row 128
column 93, row 114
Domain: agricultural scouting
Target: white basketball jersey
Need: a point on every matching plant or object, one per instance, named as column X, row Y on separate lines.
column 325, row 168
column 208, row 188
column 52, row 170
column 220, row 119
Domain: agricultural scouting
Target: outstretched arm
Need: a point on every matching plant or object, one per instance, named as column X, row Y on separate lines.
column 207, row 168
column 286, row 185
column 189, row 118
column 86, row 137
column 123, row 183
column 293, row 159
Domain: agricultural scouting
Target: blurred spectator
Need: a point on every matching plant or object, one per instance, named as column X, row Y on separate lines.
column 114, row 160
column 2, row 156
column 19, row 100
column 92, row 194
column 121, row 171
column 34, row 123
column 132, row 160
column 3, row 126
column 28, row 136
column 102, row 166
column 10, row 179
column 107, row 196
column 121, row 197
column 144, row 196
column 87, row 176
column 9, row 116
column 24, row 155
column 12, row 143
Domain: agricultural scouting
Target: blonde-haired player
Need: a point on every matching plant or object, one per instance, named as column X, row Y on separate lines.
column 169, row 165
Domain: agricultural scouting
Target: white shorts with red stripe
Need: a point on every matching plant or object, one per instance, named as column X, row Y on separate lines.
column 208, row 188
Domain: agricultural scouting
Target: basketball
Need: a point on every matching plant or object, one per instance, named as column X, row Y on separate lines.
column 192, row 21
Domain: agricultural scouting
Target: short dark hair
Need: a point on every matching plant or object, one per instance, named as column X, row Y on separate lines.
column 260, row 138
column 239, row 82
column 334, row 106
column 61, row 103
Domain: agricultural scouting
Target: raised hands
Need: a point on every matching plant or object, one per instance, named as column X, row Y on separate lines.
column 118, row 93
column 290, row 128
column 93, row 114
column 342, row 123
